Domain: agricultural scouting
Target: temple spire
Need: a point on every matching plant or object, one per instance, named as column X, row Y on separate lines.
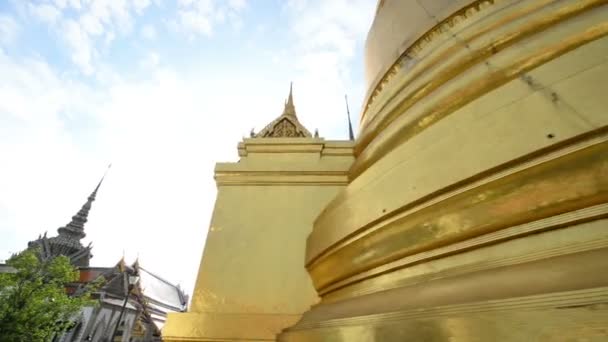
column 290, row 109
column 290, row 98
column 351, row 134
column 75, row 229
column 286, row 125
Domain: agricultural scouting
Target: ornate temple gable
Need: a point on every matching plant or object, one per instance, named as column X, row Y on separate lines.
column 286, row 125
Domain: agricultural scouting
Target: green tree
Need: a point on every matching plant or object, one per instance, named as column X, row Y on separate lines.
column 34, row 305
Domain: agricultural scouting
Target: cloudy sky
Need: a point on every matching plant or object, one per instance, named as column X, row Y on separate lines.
column 162, row 90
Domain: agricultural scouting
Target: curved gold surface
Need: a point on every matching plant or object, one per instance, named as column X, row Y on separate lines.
column 400, row 26
column 384, row 113
column 353, row 210
column 477, row 204
column 368, row 150
column 571, row 316
column 568, row 183
column 512, row 246
column 561, row 273
column 378, row 98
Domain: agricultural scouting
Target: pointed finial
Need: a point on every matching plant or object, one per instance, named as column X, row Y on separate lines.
column 94, row 193
column 75, row 229
column 290, row 109
column 351, row 134
column 122, row 264
column 316, row 132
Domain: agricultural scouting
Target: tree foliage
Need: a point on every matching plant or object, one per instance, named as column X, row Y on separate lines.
column 34, row 304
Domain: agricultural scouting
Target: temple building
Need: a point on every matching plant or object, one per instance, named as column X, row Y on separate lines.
column 140, row 318
column 471, row 206
column 132, row 301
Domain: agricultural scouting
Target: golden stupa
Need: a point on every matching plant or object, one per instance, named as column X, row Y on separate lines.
column 473, row 205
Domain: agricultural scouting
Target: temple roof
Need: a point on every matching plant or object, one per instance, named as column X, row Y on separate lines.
column 154, row 295
column 67, row 242
column 75, row 229
column 286, row 125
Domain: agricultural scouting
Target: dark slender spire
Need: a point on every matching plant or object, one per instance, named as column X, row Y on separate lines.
column 75, row 229
column 351, row 134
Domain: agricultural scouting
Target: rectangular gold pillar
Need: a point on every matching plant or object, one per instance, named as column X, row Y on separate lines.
column 252, row 282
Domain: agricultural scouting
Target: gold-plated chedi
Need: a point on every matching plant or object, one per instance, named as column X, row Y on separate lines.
column 473, row 205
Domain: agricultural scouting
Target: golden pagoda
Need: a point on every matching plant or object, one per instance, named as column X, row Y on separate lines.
column 473, row 205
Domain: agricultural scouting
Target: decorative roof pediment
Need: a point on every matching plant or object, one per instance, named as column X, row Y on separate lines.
column 286, row 125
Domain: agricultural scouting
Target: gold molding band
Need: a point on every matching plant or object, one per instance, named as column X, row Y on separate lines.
column 267, row 178
column 469, row 322
column 385, row 116
column 571, row 182
column 404, row 128
column 418, row 45
column 367, row 282
column 320, row 245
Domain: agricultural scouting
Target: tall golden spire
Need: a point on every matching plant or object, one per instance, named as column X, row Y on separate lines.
column 290, row 109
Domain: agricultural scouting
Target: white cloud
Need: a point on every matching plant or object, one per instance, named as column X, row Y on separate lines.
column 83, row 25
column 60, row 3
column 151, row 60
column 148, row 32
column 194, row 22
column 185, row 3
column 326, row 36
column 45, row 12
column 334, row 24
column 8, row 29
column 198, row 17
column 18, row 83
column 75, row 4
column 91, row 24
column 140, row 5
column 114, row 13
column 82, row 49
column 92, row 20
column 237, row 5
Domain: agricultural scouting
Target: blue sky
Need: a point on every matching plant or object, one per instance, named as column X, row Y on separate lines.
column 162, row 90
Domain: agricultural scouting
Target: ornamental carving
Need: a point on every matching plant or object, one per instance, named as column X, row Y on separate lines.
column 286, row 125
column 284, row 129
